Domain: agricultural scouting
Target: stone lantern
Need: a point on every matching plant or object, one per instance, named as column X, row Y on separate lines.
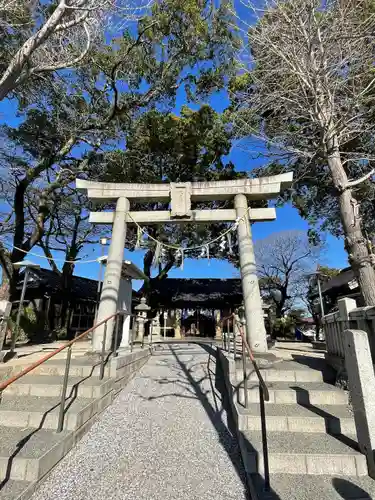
column 240, row 320
column 141, row 310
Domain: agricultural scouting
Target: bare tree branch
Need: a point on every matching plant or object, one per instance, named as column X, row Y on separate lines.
column 356, row 182
column 45, row 48
column 306, row 87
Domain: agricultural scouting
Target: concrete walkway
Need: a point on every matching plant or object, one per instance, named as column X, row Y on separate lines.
column 165, row 437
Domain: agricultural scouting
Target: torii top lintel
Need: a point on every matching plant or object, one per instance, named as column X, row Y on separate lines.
column 254, row 189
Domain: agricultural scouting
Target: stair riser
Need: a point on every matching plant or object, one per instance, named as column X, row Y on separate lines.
column 74, row 371
column 47, row 390
column 29, row 469
column 36, row 420
column 283, row 376
column 298, row 424
column 304, row 398
column 351, row 465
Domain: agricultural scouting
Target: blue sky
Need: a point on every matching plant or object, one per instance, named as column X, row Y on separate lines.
column 287, row 219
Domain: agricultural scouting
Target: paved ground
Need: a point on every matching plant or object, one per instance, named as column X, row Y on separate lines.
column 286, row 349
column 165, row 437
column 28, row 354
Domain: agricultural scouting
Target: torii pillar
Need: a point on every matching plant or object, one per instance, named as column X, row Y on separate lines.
column 255, row 328
column 112, row 277
column 180, row 196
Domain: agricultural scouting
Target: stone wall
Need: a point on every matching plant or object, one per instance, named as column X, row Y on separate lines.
column 125, row 366
column 334, row 325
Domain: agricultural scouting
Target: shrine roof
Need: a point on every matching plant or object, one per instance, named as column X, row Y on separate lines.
column 45, row 281
column 196, row 292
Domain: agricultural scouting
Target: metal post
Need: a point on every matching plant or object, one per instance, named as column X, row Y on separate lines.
column 320, row 296
column 234, row 340
column 245, row 385
column 150, row 335
column 17, row 328
column 60, row 424
column 144, row 331
column 228, row 336
column 165, row 324
column 132, row 334
column 264, row 440
column 116, row 334
column 103, row 352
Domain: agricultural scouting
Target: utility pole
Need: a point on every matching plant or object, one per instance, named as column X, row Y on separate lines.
column 320, row 296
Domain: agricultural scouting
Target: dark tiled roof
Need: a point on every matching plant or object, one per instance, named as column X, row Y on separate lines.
column 195, row 292
column 339, row 281
column 50, row 282
column 338, row 285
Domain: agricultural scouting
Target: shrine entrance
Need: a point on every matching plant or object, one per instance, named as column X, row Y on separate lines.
column 180, row 196
column 183, row 323
column 198, row 323
column 189, row 308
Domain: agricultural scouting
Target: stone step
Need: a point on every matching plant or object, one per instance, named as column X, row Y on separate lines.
column 304, row 453
column 79, row 367
column 27, row 455
column 43, row 412
column 305, row 370
column 309, row 487
column 334, row 419
column 303, row 393
column 17, row 490
column 279, row 375
column 51, row 386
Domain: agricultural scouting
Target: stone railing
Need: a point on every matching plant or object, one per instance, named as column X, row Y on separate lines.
column 348, row 316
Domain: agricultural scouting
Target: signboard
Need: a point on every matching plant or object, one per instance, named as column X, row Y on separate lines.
column 353, row 284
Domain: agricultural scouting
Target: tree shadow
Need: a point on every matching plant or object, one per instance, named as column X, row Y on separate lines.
column 214, row 410
column 332, row 423
column 69, row 400
column 317, row 364
column 218, row 409
column 348, row 490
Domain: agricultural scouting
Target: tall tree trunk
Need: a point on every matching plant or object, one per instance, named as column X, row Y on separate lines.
column 66, row 282
column 355, row 243
column 7, row 272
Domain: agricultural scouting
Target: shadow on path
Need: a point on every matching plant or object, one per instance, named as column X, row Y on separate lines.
column 332, row 423
column 349, row 491
column 218, row 408
column 69, row 400
column 214, row 410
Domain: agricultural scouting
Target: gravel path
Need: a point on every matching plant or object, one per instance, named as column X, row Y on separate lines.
column 165, row 437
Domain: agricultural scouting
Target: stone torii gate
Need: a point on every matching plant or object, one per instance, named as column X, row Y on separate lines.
column 180, row 196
